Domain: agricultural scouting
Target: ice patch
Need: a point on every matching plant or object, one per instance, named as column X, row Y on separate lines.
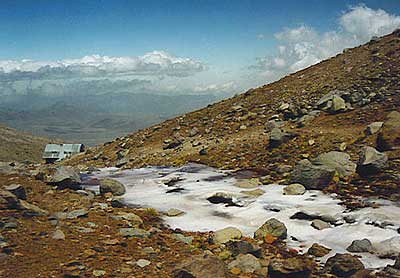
column 146, row 188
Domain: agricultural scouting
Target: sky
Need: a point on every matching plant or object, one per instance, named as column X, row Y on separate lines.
column 174, row 47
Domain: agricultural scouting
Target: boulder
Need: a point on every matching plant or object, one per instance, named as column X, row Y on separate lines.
column 371, row 161
column 66, row 177
column 247, row 263
column 373, row 128
column 343, row 265
column 358, row 246
column 294, row 189
column 204, row 266
column 312, row 176
column 271, row 227
column 112, row 186
column 319, row 224
column 17, row 189
column 338, row 161
column 317, row 250
column 226, row 234
column 332, row 102
column 389, row 248
column 389, row 135
column 296, row 267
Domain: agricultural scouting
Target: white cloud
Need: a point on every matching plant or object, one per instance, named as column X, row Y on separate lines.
column 303, row 46
column 228, row 87
column 156, row 63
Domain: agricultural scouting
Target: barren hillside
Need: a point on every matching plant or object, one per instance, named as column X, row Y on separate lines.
column 234, row 133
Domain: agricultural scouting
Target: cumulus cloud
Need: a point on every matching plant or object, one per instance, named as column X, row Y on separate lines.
column 303, row 46
column 223, row 88
column 156, row 63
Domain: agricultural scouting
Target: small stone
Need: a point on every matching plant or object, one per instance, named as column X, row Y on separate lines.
column 294, row 189
column 133, row 232
column 255, row 192
column 58, row 234
column 98, row 273
column 143, row 263
column 319, row 224
column 77, row 213
column 185, row 239
column 226, row 234
column 131, row 217
column 174, row 212
column 248, row 183
column 317, row 250
column 247, row 263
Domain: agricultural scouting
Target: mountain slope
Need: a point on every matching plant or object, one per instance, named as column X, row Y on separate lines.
column 234, row 133
column 20, row 146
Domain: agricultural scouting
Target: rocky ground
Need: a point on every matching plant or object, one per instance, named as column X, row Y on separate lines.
column 327, row 107
column 334, row 127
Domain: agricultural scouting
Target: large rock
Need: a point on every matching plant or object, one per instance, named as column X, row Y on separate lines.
column 373, row 128
column 338, row 161
column 297, row 267
column 66, row 177
column 18, row 190
column 226, row 234
column 294, row 189
column 371, row 162
column 8, row 200
column 112, row 186
column 389, row 248
column 358, row 246
column 332, row 102
column 338, row 104
column 204, row 266
column 389, row 135
column 271, row 227
column 312, row 176
column 246, row 263
column 343, row 265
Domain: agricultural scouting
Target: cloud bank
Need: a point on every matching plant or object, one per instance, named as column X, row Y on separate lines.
column 303, row 46
column 154, row 64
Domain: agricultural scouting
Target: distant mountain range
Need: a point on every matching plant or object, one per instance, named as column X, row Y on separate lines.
column 95, row 118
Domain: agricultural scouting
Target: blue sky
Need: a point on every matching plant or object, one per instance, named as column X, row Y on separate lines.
column 230, row 38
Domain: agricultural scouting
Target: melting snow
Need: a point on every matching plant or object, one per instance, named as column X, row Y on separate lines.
column 146, row 188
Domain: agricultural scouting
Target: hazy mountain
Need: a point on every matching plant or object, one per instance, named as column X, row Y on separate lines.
column 93, row 118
